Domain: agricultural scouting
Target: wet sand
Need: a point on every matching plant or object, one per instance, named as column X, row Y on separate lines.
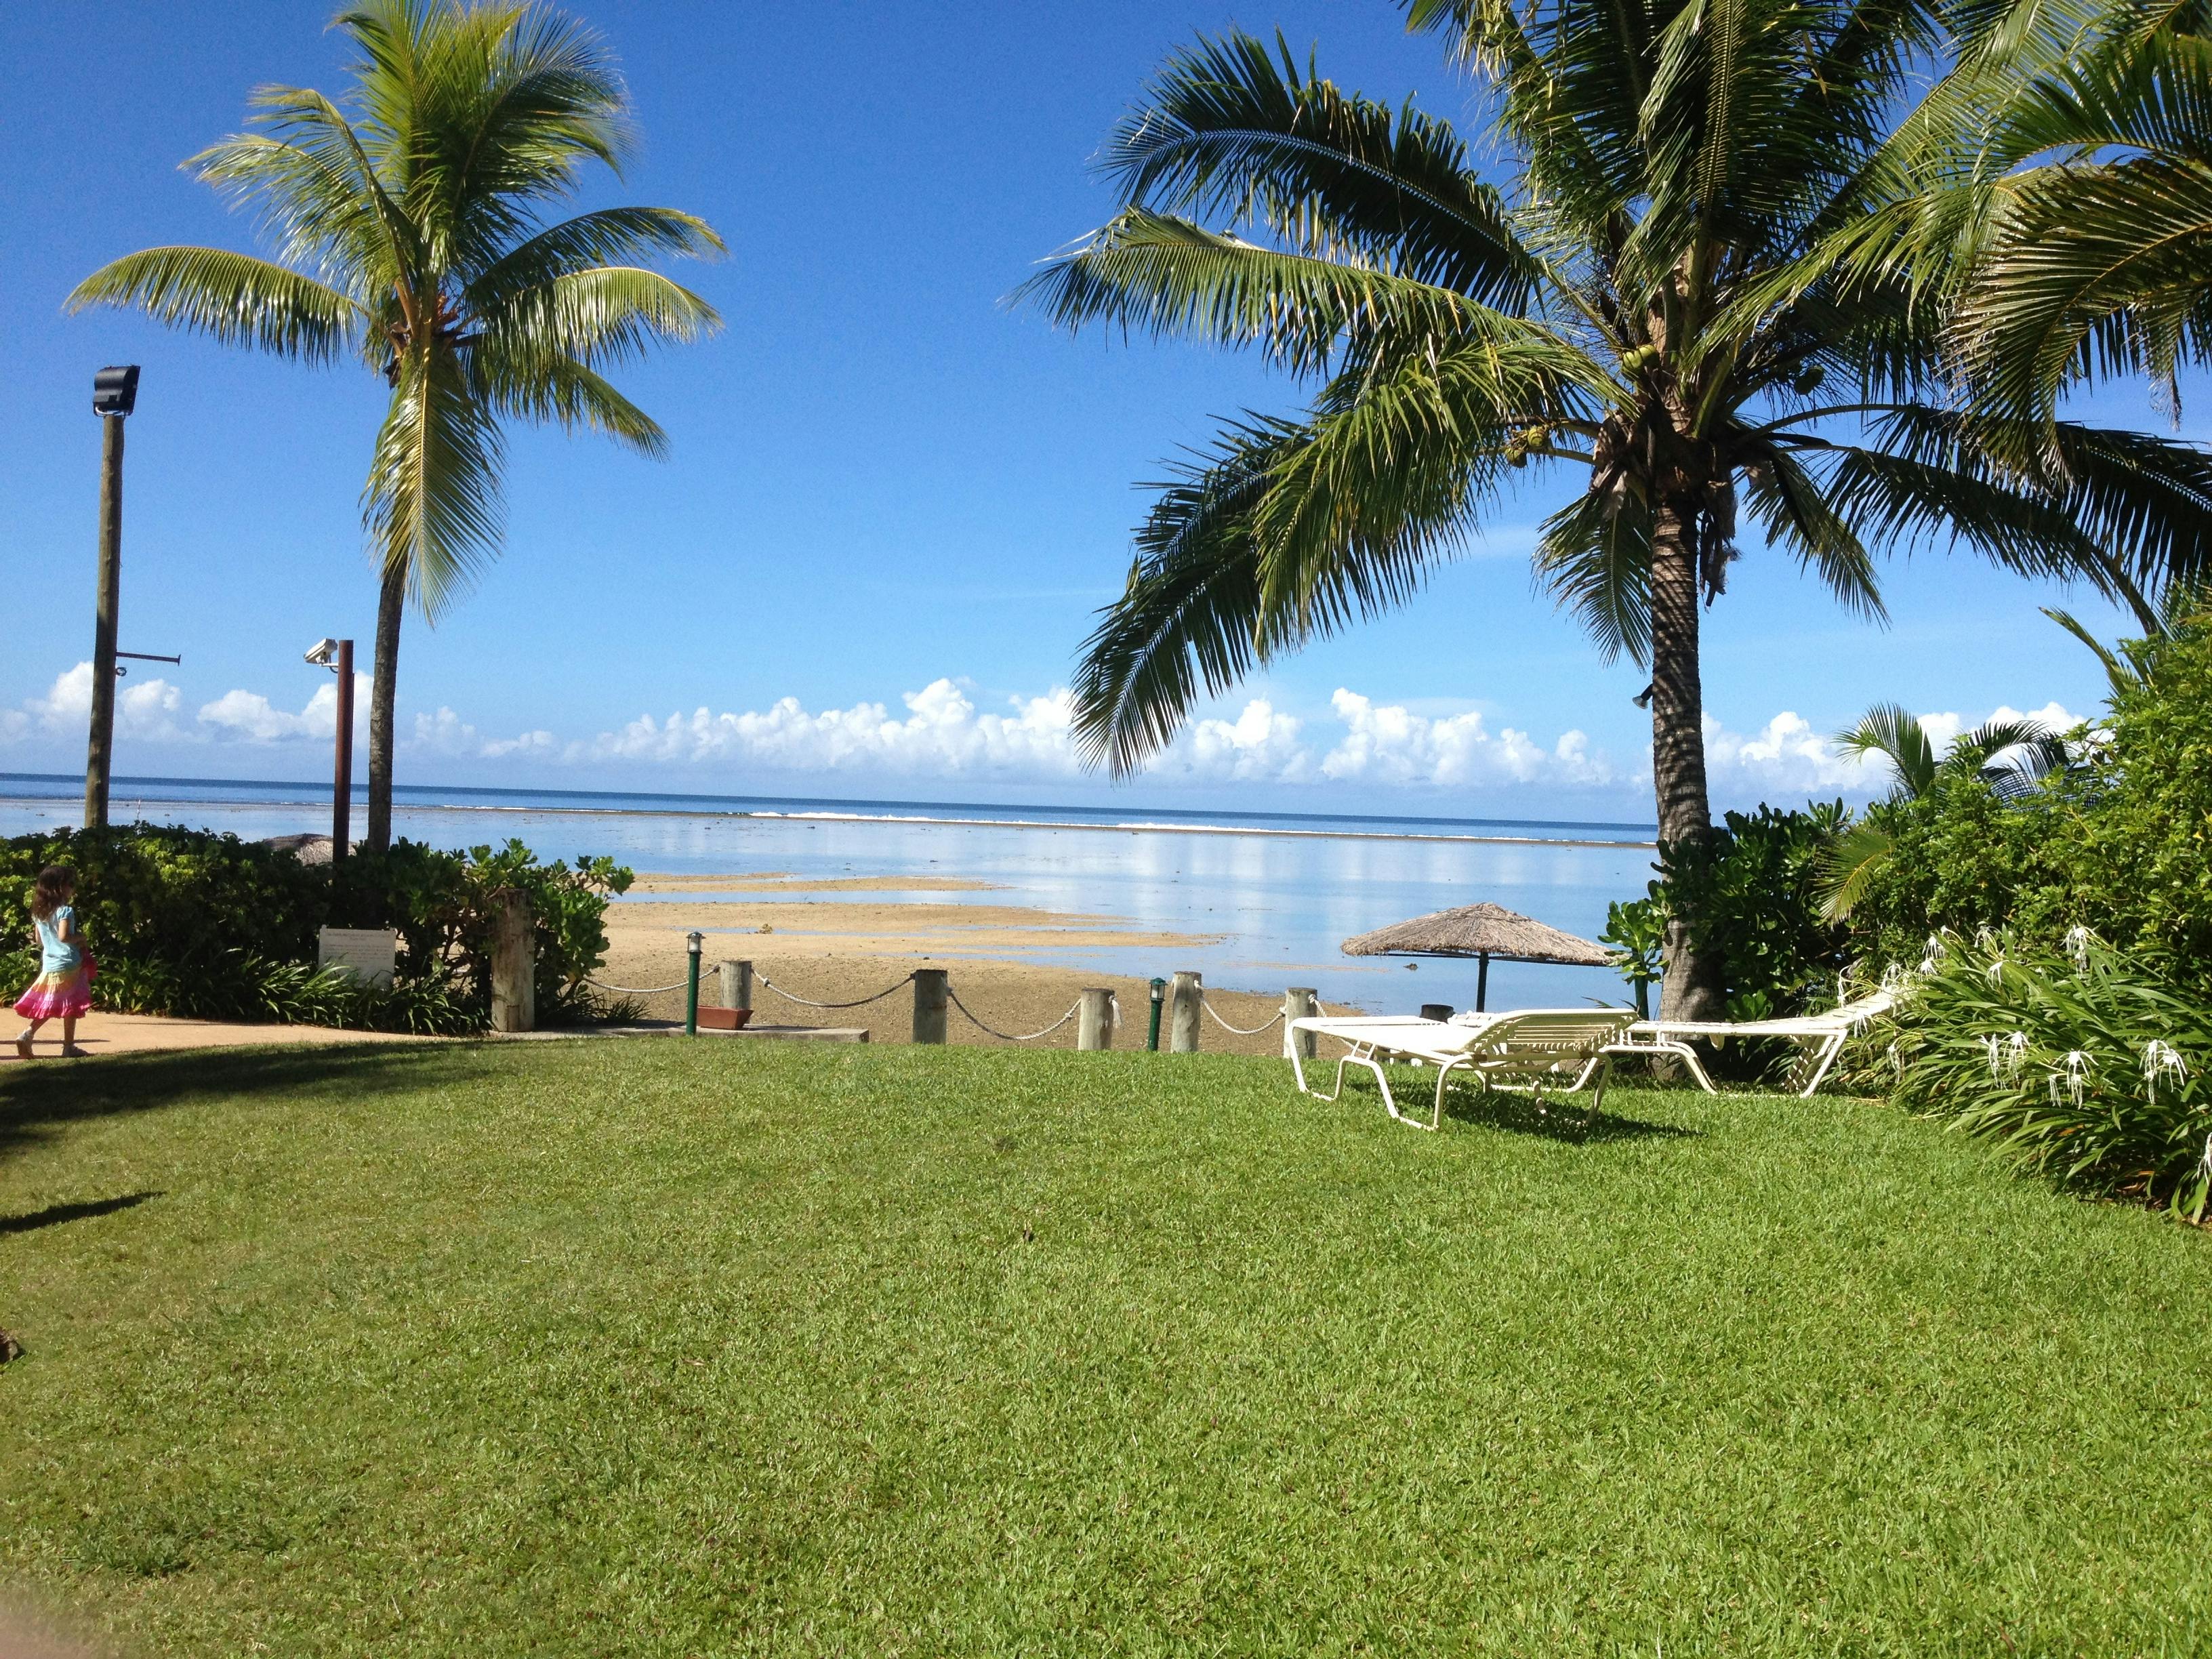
column 834, row 949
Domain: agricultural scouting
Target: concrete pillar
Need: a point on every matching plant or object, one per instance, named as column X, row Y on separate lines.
column 929, row 1005
column 1298, row 1003
column 513, row 963
column 1183, row 995
column 1094, row 1025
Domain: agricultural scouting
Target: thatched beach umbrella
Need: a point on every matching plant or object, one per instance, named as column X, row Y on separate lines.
column 1481, row 930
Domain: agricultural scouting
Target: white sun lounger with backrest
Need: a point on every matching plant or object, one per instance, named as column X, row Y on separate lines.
column 1819, row 1036
column 1524, row 1050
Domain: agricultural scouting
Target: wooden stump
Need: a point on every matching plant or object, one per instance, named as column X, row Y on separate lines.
column 513, row 963
column 1183, row 996
column 1094, row 1025
column 1298, row 1003
column 929, row 1005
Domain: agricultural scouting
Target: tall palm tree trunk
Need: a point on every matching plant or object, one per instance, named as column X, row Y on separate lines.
column 390, row 602
column 1695, row 987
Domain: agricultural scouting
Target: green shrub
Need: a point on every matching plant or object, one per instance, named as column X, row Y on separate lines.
column 2121, row 842
column 2084, row 1066
column 1752, row 887
column 209, row 926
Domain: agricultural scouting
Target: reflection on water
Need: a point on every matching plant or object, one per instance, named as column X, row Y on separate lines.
column 1276, row 907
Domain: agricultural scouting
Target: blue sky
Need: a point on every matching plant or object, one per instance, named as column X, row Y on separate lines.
column 893, row 502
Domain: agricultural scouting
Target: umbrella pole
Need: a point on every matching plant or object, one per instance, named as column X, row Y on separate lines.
column 1482, row 983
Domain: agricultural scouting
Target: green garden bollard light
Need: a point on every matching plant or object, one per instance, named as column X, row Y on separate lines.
column 1153, row 1036
column 692, row 942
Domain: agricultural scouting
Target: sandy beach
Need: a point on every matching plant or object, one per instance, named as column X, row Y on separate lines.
column 809, row 938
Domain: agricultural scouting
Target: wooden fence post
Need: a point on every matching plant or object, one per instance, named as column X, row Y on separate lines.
column 1298, row 1003
column 513, row 963
column 929, row 1004
column 1094, row 1026
column 737, row 979
column 1183, row 996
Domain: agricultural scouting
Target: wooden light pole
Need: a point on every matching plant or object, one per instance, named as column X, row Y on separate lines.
column 336, row 655
column 114, row 394
column 342, row 780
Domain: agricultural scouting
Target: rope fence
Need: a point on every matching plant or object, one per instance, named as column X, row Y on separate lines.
column 1207, row 1003
column 808, row 1002
column 1093, row 1035
column 634, row 990
column 953, row 997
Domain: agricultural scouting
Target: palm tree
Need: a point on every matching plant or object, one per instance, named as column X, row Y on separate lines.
column 410, row 233
column 1642, row 303
column 1861, row 847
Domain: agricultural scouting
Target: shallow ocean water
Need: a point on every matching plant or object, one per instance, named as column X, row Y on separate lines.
column 1276, row 893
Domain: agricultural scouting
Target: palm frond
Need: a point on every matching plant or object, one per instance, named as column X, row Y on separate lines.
column 606, row 236
column 432, row 503
column 1171, row 278
column 1895, row 733
column 1847, row 864
column 1189, row 618
column 1593, row 557
column 232, row 297
column 1228, row 128
column 605, row 315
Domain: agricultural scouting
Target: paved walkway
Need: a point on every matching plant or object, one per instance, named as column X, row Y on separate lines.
column 98, row 1033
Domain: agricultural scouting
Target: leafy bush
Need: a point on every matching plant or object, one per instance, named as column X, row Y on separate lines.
column 1753, row 886
column 2086, row 1065
column 445, row 905
column 209, row 927
column 2121, row 842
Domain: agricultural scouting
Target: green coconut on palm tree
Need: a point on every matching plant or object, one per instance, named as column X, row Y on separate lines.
column 1641, row 304
column 409, row 232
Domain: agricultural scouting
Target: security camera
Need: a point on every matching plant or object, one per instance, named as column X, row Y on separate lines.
column 321, row 652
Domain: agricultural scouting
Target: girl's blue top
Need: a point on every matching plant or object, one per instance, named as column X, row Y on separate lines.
column 56, row 954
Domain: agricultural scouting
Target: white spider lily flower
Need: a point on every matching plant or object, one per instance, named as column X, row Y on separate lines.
column 2074, row 1066
column 1897, row 1059
column 1894, row 977
column 2016, row 1052
column 1994, row 1047
column 2161, row 1059
column 2078, row 942
column 1995, row 972
column 1932, row 954
column 2205, row 1162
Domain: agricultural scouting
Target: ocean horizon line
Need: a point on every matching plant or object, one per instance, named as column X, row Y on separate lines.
column 460, row 798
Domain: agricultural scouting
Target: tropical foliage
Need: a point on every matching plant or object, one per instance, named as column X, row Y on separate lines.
column 2010, row 757
column 2083, row 1064
column 1660, row 299
column 2099, row 260
column 2120, row 842
column 183, row 921
column 408, row 232
column 1752, row 886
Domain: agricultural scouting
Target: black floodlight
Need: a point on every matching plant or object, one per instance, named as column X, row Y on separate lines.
column 115, row 390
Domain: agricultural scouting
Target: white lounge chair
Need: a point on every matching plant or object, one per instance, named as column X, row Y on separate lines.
column 1519, row 1050
column 1819, row 1036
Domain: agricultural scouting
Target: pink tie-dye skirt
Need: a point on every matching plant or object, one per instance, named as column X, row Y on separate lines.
column 58, row 995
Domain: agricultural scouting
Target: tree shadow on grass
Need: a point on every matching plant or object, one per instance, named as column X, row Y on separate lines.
column 54, row 1214
column 38, row 1101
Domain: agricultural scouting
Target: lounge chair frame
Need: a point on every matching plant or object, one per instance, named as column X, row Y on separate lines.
column 1518, row 1052
column 1820, row 1038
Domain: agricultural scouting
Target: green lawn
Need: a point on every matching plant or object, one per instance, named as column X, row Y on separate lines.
column 664, row 1348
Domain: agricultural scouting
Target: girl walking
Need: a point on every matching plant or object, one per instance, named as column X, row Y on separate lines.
column 62, row 990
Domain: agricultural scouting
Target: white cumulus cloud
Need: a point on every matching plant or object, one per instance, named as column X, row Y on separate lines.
column 1389, row 744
